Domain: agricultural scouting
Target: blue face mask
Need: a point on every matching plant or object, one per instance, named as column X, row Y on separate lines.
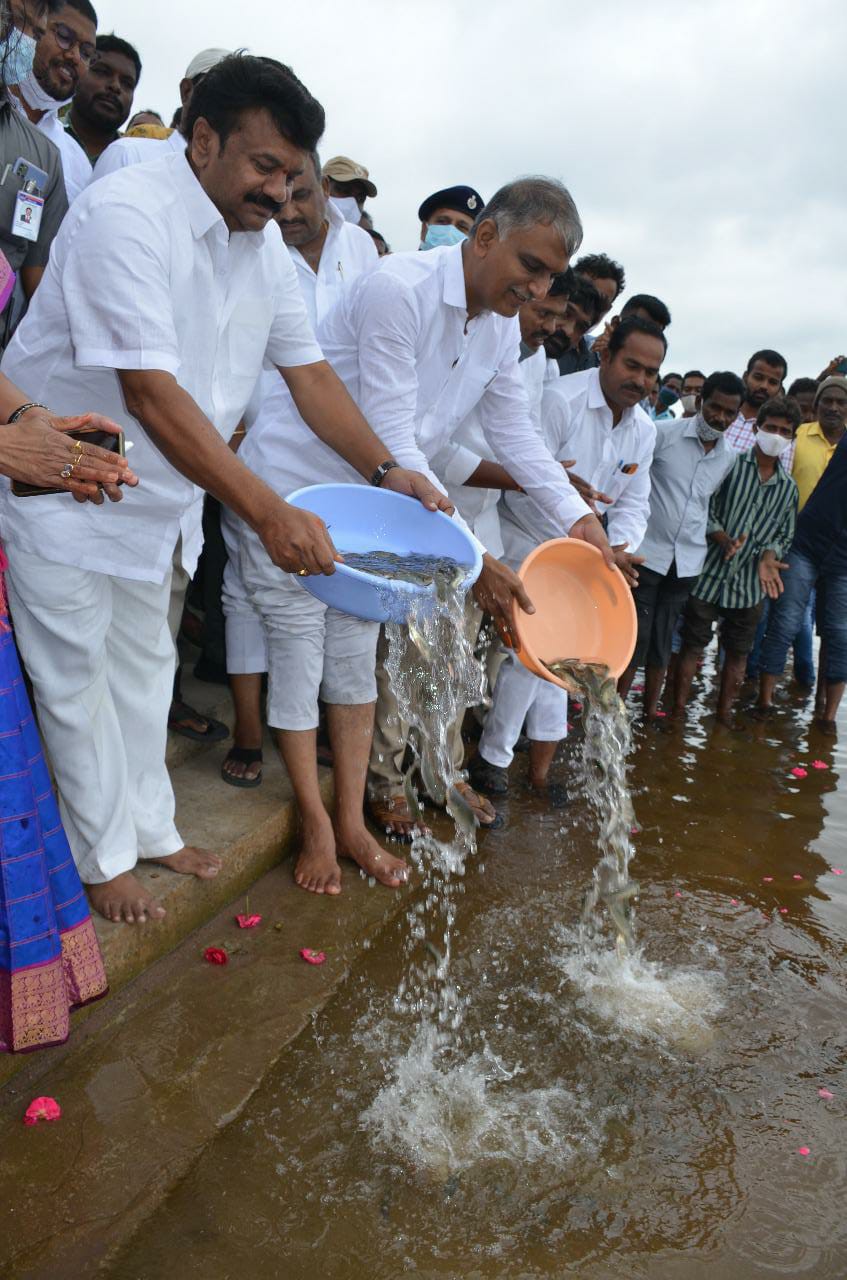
column 17, row 52
column 437, row 237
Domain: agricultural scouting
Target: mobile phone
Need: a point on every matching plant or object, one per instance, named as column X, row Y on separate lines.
column 114, row 443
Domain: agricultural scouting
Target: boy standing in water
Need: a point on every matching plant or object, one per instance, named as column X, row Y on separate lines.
column 751, row 525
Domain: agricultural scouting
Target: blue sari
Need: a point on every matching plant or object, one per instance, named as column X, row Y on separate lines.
column 50, row 959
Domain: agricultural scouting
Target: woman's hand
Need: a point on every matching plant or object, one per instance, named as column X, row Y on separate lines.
column 38, row 450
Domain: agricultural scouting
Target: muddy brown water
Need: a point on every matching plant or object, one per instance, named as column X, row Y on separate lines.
column 596, row 1118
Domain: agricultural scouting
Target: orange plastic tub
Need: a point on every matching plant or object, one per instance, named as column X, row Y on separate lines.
column 582, row 609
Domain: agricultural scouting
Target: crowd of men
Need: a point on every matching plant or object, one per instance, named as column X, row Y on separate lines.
column 226, row 298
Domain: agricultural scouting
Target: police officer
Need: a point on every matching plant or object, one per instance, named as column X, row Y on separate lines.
column 447, row 216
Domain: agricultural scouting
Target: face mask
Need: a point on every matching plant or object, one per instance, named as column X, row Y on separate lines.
column 17, row 52
column 38, row 98
column 707, row 434
column 348, row 208
column 438, row 237
column 771, row 445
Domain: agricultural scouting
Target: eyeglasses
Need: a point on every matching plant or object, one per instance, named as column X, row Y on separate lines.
column 67, row 40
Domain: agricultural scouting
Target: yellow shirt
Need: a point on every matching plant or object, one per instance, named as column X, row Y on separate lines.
column 811, row 458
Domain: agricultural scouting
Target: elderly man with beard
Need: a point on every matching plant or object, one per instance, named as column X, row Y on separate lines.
column 63, row 54
column 690, row 462
column 161, row 303
column 103, row 98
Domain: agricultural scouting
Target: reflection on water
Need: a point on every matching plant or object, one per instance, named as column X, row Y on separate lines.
column 635, row 1121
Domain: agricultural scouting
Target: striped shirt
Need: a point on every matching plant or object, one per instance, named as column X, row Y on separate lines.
column 767, row 513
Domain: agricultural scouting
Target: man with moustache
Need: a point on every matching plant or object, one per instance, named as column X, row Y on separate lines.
column 103, row 98
column 63, row 54
column 591, row 420
column 763, row 380
column 161, row 303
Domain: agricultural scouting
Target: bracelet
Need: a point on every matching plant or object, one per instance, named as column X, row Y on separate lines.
column 25, row 408
column 382, row 471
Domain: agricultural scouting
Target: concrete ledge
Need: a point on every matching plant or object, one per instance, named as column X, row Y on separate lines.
column 251, row 829
column 147, row 1083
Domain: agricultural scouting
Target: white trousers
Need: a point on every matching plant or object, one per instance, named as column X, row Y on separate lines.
column 99, row 652
column 312, row 649
column 520, row 696
column 246, row 643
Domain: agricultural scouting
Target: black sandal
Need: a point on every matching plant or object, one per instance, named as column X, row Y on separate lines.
column 243, row 755
column 215, row 731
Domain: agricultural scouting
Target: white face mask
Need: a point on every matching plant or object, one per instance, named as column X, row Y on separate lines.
column 772, row 445
column 37, row 98
column 348, row 208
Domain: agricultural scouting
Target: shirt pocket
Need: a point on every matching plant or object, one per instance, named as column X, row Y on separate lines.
column 249, row 331
column 467, row 386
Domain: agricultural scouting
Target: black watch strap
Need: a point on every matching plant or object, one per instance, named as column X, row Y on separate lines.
column 382, row 471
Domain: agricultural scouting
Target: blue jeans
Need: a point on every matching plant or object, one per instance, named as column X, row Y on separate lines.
column 804, row 659
column 786, row 617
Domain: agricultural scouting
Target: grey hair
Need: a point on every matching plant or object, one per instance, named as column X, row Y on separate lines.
column 528, row 201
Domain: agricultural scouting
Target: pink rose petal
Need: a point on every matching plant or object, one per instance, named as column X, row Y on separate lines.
column 733, row 902
column 677, row 894
column 248, row 922
column 804, row 1151
column 825, row 1093
column 661, row 715
column 767, row 879
column 796, row 877
column 836, row 871
column 799, row 772
column 819, row 764
column 42, row 1109
column 783, row 911
column 313, row 957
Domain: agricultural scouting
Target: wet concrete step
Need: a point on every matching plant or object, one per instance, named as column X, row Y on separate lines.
column 155, row 1073
column 251, row 829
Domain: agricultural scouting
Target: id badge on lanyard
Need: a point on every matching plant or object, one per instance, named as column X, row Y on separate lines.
column 28, row 212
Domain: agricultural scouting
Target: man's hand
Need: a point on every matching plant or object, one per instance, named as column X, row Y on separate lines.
column 589, row 529
column 731, row 546
column 586, row 491
column 769, row 575
column 627, row 563
column 497, row 590
column 416, row 485
column 297, row 541
column 601, row 341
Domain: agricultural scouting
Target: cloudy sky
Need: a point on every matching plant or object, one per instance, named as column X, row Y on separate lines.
column 703, row 140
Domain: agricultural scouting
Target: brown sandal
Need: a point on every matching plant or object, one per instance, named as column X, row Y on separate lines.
column 481, row 807
column 384, row 813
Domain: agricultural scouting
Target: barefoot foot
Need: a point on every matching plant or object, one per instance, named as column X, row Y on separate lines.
column 317, row 868
column 192, row 862
column 124, row 899
column 357, row 844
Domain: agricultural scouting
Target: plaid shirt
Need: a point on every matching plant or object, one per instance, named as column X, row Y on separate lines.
column 767, row 513
column 740, row 437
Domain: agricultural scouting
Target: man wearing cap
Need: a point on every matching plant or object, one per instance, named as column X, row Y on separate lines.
column 127, row 151
column 447, row 216
column 348, row 184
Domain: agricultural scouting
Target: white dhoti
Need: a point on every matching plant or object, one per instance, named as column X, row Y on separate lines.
column 246, row 644
column 520, row 696
column 312, row 649
column 99, row 652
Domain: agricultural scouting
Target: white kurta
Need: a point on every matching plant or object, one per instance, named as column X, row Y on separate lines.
column 128, row 151
column 144, row 275
column 76, row 167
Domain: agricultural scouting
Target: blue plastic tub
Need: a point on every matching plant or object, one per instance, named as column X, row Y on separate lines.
column 361, row 518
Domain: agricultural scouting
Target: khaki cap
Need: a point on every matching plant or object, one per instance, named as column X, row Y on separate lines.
column 343, row 169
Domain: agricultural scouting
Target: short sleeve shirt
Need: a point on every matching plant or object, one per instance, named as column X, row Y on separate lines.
column 145, row 276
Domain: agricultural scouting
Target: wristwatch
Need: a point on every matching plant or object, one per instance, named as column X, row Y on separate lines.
column 382, row 471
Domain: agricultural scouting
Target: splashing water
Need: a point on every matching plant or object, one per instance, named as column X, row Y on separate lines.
column 608, row 741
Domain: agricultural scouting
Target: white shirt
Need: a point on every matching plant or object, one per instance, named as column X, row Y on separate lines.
column 347, row 252
column 684, row 476
column 457, row 462
column 576, row 423
column 126, row 151
column 402, row 342
column 76, row 167
column 145, row 275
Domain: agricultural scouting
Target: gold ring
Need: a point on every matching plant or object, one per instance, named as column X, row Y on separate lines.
column 78, row 447
column 302, row 573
